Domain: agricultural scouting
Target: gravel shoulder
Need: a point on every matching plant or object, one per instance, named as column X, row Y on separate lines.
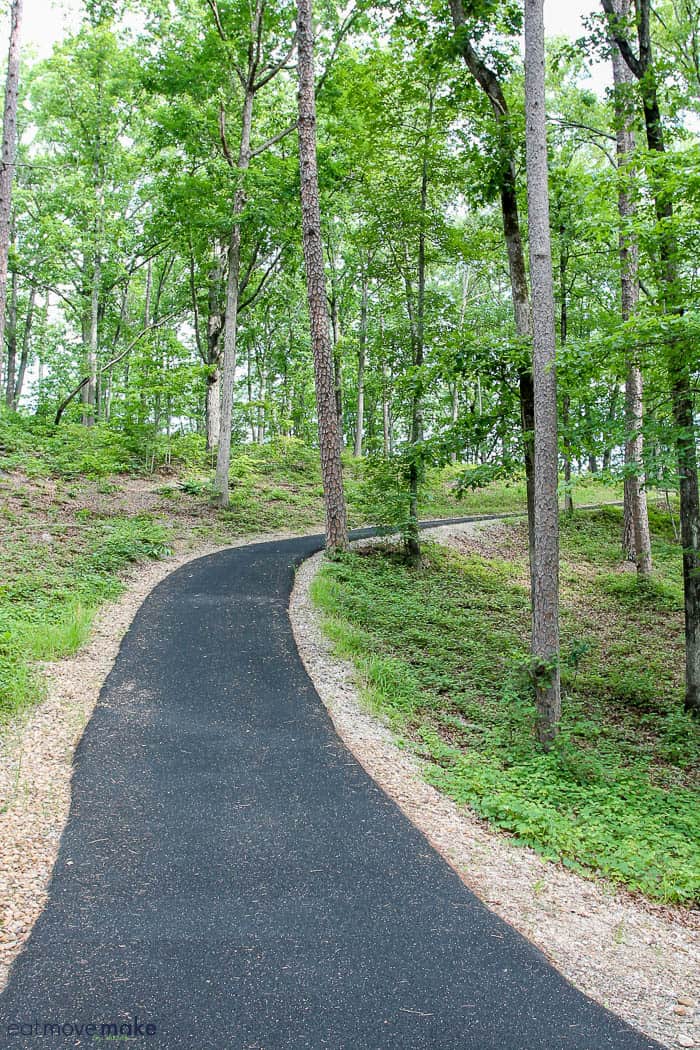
column 640, row 961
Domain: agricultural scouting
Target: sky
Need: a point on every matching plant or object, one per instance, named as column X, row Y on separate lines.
column 46, row 21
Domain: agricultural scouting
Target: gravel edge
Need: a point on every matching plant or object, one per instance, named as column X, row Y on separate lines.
column 639, row 962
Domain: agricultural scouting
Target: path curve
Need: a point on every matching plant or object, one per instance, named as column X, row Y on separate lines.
column 231, row 876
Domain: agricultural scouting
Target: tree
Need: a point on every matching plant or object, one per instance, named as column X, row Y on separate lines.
column 678, row 360
column 328, row 424
column 7, row 160
column 636, row 540
column 545, row 598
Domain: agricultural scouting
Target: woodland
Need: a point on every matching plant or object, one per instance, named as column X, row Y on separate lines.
column 267, row 268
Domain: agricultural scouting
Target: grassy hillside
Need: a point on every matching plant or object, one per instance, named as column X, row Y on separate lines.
column 78, row 506
column 442, row 652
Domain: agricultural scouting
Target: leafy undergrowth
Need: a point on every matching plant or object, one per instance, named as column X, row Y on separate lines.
column 441, row 651
column 78, row 505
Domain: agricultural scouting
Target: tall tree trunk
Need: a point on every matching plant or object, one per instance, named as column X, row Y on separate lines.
column 11, row 331
column 215, row 323
column 636, row 540
column 490, row 85
column 90, row 389
column 677, row 360
column 545, row 606
column 24, row 355
column 337, row 357
column 228, row 375
column 361, row 355
column 328, row 425
column 7, row 160
column 418, row 341
column 563, row 337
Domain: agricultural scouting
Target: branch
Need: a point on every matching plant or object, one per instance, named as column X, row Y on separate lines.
column 263, row 281
column 273, row 70
column 222, row 135
column 635, row 64
column 345, row 28
column 110, row 364
column 275, row 138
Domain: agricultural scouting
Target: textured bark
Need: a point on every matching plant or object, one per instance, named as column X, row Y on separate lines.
column 361, row 358
column 545, row 606
column 491, row 86
column 328, row 426
column 7, row 160
column 677, row 362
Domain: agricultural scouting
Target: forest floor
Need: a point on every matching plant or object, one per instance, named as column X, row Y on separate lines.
column 639, row 959
column 87, row 521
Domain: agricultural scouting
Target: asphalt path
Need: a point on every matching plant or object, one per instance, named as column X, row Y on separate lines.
column 230, row 877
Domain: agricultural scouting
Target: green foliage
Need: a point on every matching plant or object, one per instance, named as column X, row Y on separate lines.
column 442, row 652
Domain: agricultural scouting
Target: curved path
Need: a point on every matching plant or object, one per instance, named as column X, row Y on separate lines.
column 230, row 875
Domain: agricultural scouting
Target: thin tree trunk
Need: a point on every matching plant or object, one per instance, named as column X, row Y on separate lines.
column 677, row 361
column 361, row 355
column 24, row 356
column 215, row 324
column 337, row 358
column 8, row 158
column 91, row 385
column 228, row 375
column 328, row 425
column 564, row 335
column 636, row 540
column 413, row 535
column 545, row 619
column 11, row 331
column 490, row 85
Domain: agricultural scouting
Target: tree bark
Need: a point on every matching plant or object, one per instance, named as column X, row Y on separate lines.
column 215, row 323
column 361, row 355
column 328, row 425
column 8, row 157
column 491, row 86
column 24, row 355
column 545, row 606
column 677, row 361
column 636, row 540
column 228, row 372
column 11, row 331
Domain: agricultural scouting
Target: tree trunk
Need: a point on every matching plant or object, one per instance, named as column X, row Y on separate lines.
column 563, row 336
column 678, row 365
column 490, row 85
column 328, row 425
column 418, row 340
column 545, row 606
column 215, row 323
column 24, row 356
column 228, row 374
column 90, row 388
column 636, row 541
column 7, row 160
column 11, row 329
column 361, row 355
column 337, row 359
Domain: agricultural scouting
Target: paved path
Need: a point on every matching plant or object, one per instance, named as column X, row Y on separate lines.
column 231, row 875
